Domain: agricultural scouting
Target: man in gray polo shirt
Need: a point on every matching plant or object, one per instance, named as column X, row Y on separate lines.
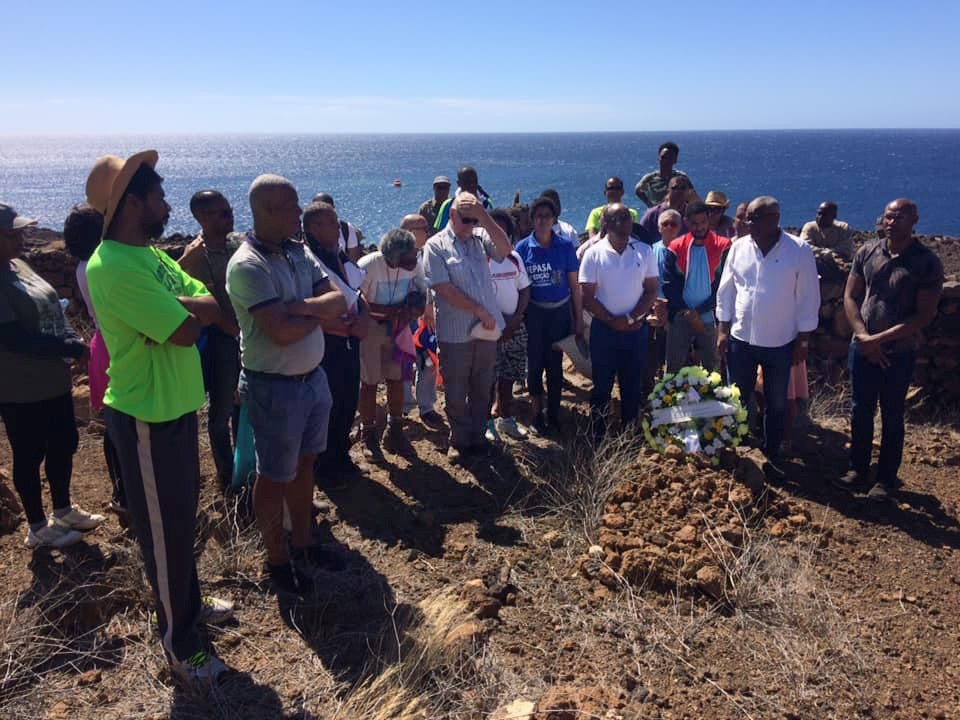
column 456, row 265
column 281, row 293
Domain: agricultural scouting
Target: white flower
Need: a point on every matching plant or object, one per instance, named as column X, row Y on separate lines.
column 709, row 450
column 657, row 403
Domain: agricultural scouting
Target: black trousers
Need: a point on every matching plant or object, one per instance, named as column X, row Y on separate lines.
column 160, row 467
column 341, row 363
column 544, row 327
column 42, row 432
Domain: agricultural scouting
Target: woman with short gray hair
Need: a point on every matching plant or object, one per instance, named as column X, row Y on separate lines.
column 395, row 289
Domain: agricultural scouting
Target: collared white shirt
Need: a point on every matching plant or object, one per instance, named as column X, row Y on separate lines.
column 769, row 299
column 619, row 277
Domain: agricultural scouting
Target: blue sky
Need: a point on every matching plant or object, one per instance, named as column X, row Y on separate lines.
column 286, row 66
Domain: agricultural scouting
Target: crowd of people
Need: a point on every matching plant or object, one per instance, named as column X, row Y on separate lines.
column 293, row 329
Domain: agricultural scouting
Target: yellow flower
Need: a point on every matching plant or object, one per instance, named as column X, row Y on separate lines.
column 708, row 435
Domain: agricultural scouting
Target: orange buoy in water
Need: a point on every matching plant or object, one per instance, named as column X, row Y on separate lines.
column 396, row 182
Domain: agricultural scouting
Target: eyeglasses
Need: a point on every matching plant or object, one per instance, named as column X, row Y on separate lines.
column 619, row 218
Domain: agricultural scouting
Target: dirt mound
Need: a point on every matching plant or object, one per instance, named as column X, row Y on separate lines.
column 675, row 523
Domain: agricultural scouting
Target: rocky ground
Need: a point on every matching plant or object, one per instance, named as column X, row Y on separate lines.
column 542, row 582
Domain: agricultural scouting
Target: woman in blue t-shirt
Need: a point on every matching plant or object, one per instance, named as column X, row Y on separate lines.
column 555, row 307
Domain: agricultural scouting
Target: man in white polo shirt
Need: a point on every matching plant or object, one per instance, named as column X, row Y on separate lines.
column 767, row 305
column 619, row 281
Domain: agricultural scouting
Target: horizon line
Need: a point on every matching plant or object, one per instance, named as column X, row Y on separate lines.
column 347, row 133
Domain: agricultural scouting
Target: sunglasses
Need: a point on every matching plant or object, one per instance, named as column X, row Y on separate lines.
column 754, row 217
column 713, row 210
column 469, row 221
column 614, row 187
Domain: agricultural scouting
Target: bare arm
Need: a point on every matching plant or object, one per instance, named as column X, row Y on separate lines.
column 577, row 300
column 327, row 303
column 204, row 308
column 651, row 288
column 599, row 312
column 282, row 326
column 501, row 243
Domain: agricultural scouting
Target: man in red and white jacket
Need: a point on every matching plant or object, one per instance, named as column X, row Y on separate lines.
column 691, row 277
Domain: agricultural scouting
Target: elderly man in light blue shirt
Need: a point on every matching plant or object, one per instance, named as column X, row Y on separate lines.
column 468, row 319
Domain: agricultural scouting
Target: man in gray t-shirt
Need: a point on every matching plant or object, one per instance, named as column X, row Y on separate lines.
column 281, row 293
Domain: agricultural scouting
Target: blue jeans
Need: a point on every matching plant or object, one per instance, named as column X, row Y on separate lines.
column 619, row 355
column 544, row 327
column 869, row 384
column 742, row 361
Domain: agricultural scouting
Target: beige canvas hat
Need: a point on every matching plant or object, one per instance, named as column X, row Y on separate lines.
column 109, row 178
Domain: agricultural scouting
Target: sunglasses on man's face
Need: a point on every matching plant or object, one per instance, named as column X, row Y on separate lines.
column 469, row 221
column 612, row 188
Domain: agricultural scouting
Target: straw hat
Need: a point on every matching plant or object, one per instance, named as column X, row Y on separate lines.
column 109, row 178
column 717, row 199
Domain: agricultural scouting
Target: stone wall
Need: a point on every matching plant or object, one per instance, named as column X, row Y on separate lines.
column 938, row 358
column 936, row 365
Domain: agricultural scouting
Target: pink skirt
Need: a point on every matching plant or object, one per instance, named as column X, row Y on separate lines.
column 97, row 370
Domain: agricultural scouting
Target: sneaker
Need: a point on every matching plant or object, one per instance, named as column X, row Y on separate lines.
column 371, row 445
column 774, row 471
column 283, row 580
column 52, row 536
column 851, row 481
column 200, row 668
column 455, row 455
column 432, row 419
column 394, row 440
column 491, row 434
column 881, row 492
column 510, row 428
column 78, row 519
column 214, row 611
column 539, row 425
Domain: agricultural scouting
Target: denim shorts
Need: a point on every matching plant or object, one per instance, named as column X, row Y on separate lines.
column 289, row 418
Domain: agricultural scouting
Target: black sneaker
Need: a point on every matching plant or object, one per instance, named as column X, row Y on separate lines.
column 852, row 481
column 882, row 491
column 282, row 579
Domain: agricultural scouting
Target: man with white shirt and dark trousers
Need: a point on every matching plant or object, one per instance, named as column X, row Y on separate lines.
column 768, row 303
column 619, row 281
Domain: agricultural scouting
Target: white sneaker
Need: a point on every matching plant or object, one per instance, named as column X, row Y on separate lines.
column 200, row 668
column 510, row 428
column 215, row 611
column 78, row 519
column 491, row 433
column 52, row 535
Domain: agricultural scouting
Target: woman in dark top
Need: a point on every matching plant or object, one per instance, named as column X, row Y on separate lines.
column 36, row 343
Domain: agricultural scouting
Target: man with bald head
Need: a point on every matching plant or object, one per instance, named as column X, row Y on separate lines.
column 281, row 294
column 892, row 293
column 619, row 280
column 469, row 320
column 768, row 303
column 613, row 191
column 828, row 232
column 467, row 182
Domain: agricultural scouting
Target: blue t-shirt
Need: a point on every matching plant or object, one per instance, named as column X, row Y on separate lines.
column 548, row 267
column 697, row 284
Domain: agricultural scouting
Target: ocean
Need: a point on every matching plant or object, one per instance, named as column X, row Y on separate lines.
column 860, row 169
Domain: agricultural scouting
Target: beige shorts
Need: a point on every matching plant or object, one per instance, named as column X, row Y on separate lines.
column 376, row 356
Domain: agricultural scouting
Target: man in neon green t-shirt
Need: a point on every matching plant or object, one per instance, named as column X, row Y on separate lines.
column 613, row 190
column 150, row 314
